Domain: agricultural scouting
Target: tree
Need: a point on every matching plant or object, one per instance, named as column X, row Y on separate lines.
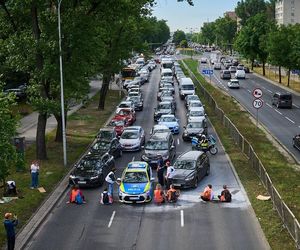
column 178, row 36
column 8, row 124
column 208, row 33
column 249, row 8
column 184, row 44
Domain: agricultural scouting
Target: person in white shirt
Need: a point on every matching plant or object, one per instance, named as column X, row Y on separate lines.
column 170, row 174
column 34, row 171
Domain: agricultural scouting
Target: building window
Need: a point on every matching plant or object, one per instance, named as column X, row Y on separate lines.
column 292, row 14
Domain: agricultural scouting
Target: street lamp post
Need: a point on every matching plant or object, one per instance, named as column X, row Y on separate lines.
column 62, row 88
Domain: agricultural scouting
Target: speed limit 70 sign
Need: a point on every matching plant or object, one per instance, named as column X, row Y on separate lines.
column 258, row 103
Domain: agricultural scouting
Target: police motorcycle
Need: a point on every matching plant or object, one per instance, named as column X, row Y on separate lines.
column 210, row 146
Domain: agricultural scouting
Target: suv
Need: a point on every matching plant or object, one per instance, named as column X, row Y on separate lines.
column 196, row 127
column 225, row 74
column 190, row 167
column 282, row 100
column 107, row 134
column 159, row 144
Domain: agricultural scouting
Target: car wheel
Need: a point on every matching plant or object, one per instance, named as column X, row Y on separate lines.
column 196, row 183
column 208, row 171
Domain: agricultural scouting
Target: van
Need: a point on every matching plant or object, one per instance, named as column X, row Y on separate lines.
column 186, row 87
column 166, row 63
column 167, row 74
column 282, row 100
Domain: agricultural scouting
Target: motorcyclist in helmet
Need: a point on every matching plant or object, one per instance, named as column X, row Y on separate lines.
column 203, row 143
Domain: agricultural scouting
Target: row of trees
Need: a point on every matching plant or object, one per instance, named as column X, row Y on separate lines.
column 258, row 38
column 97, row 37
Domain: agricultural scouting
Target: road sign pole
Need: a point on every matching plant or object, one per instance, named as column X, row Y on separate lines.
column 256, row 118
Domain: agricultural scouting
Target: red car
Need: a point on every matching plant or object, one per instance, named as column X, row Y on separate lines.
column 119, row 123
column 128, row 114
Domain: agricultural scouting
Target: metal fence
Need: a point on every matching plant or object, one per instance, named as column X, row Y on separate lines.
column 286, row 215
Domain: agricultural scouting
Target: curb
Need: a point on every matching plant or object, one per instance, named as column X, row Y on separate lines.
column 41, row 214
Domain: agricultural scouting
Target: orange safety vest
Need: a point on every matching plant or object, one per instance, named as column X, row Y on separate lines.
column 158, row 197
column 207, row 193
column 73, row 194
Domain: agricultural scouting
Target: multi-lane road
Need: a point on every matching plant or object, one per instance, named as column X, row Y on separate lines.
column 189, row 224
column 283, row 124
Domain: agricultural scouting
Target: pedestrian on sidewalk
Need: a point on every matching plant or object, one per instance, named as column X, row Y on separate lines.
column 111, row 179
column 160, row 171
column 34, row 171
column 10, row 223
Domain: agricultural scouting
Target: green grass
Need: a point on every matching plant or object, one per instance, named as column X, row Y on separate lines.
column 22, row 108
column 82, row 127
column 284, row 176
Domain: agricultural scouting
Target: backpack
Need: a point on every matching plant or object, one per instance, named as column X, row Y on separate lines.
column 173, row 196
column 227, row 196
column 78, row 199
column 105, row 198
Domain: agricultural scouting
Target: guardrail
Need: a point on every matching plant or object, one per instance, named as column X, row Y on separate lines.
column 288, row 218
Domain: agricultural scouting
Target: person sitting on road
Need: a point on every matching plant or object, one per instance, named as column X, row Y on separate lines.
column 105, row 199
column 207, row 194
column 159, row 196
column 76, row 196
column 225, row 195
column 172, row 194
column 203, row 143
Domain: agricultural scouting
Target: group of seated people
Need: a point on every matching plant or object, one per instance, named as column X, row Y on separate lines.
column 208, row 195
column 170, row 196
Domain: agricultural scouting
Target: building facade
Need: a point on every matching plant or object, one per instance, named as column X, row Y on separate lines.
column 287, row 12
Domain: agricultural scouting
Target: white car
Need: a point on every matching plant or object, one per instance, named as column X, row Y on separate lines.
column 240, row 74
column 125, row 104
column 159, row 129
column 232, row 69
column 132, row 138
column 233, row 84
column 195, row 104
column 195, row 113
column 144, row 73
column 217, row 66
column 203, row 60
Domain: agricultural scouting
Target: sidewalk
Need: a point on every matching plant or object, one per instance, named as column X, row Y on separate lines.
column 28, row 124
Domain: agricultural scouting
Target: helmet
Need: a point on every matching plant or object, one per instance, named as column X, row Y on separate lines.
column 203, row 137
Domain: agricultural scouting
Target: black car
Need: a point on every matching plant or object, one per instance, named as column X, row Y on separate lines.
column 137, row 101
column 163, row 108
column 91, row 170
column 190, row 168
column 195, row 128
column 296, row 142
column 106, row 134
column 112, row 147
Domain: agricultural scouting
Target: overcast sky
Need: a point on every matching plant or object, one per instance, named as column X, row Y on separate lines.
column 180, row 15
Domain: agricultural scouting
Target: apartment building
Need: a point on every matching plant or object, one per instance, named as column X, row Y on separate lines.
column 287, row 12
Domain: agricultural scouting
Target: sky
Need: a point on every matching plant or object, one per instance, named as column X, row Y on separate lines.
column 180, row 15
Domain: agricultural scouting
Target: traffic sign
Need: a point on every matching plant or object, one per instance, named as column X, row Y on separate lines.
column 257, row 93
column 258, row 103
column 207, row 71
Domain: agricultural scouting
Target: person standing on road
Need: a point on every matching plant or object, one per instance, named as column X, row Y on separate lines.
column 34, row 171
column 170, row 174
column 207, row 194
column 160, row 171
column 10, row 225
column 111, row 179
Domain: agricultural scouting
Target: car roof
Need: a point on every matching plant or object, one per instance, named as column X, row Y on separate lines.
column 168, row 116
column 137, row 165
column 196, row 119
column 164, row 102
column 160, row 136
column 195, row 101
column 195, row 109
column 133, row 128
column 191, row 155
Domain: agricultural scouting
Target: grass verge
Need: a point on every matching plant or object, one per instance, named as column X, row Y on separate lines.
column 284, row 176
column 82, row 127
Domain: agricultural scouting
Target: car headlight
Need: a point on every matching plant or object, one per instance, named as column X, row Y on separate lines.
column 72, row 176
column 189, row 178
column 145, row 158
column 94, row 177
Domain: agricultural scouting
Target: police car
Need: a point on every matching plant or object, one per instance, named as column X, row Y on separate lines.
column 136, row 183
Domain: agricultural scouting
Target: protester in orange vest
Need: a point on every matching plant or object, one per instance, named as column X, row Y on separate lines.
column 76, row 196
column 207, row 194
column 159, row 196
column 173, row 194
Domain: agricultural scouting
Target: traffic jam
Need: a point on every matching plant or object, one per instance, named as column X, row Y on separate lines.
column 140, row 177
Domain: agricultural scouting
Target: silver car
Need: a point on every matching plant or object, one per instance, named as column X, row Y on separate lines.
column 132, row 138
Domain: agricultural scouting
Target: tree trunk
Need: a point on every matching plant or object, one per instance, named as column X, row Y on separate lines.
column 279, row 72
column 289, row 74
column 41, row 152
column 103, row 91
column 264, row 68
column 252, row 65
column 58, row 136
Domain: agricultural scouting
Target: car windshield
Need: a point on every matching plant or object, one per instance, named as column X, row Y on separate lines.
column 135, row 177
column 133, row 94
column 192, row 98
column 101, row 145
column 197, row 113
column 164, row 106
column 88, row 165
column 194, row 125
column 116, row 123
column 195, row 104
column 124, row 105
column 135, row 98
column 124, row 112
column 187, row 87
column 156, row 145
column 130, row 135
column 168, row 119
column 105, row 135
column 184, row 164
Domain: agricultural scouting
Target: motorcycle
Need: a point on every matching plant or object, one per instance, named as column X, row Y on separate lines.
column 212, row 148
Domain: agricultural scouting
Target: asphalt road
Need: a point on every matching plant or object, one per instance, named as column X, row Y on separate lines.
column 189, row 224
column 284, row 124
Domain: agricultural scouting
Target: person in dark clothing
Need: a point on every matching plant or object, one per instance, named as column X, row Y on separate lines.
column 9, row 224
column 160, row 171
column 225, row 195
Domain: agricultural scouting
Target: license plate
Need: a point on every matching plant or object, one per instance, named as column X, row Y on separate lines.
column 176, row 185
column 81, row 182
column 134, row 198
column 153, row 161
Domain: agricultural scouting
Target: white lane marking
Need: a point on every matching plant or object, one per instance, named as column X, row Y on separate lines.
column 278, row 111
column 182, row 218
column 249, row 90
column 264, row 87
column 289, row 120
column 296, row 105
column 177, row 141
column 299, row 126
column 111, row 219
column 133, row 158
column 269, row 91
column 268, row 105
